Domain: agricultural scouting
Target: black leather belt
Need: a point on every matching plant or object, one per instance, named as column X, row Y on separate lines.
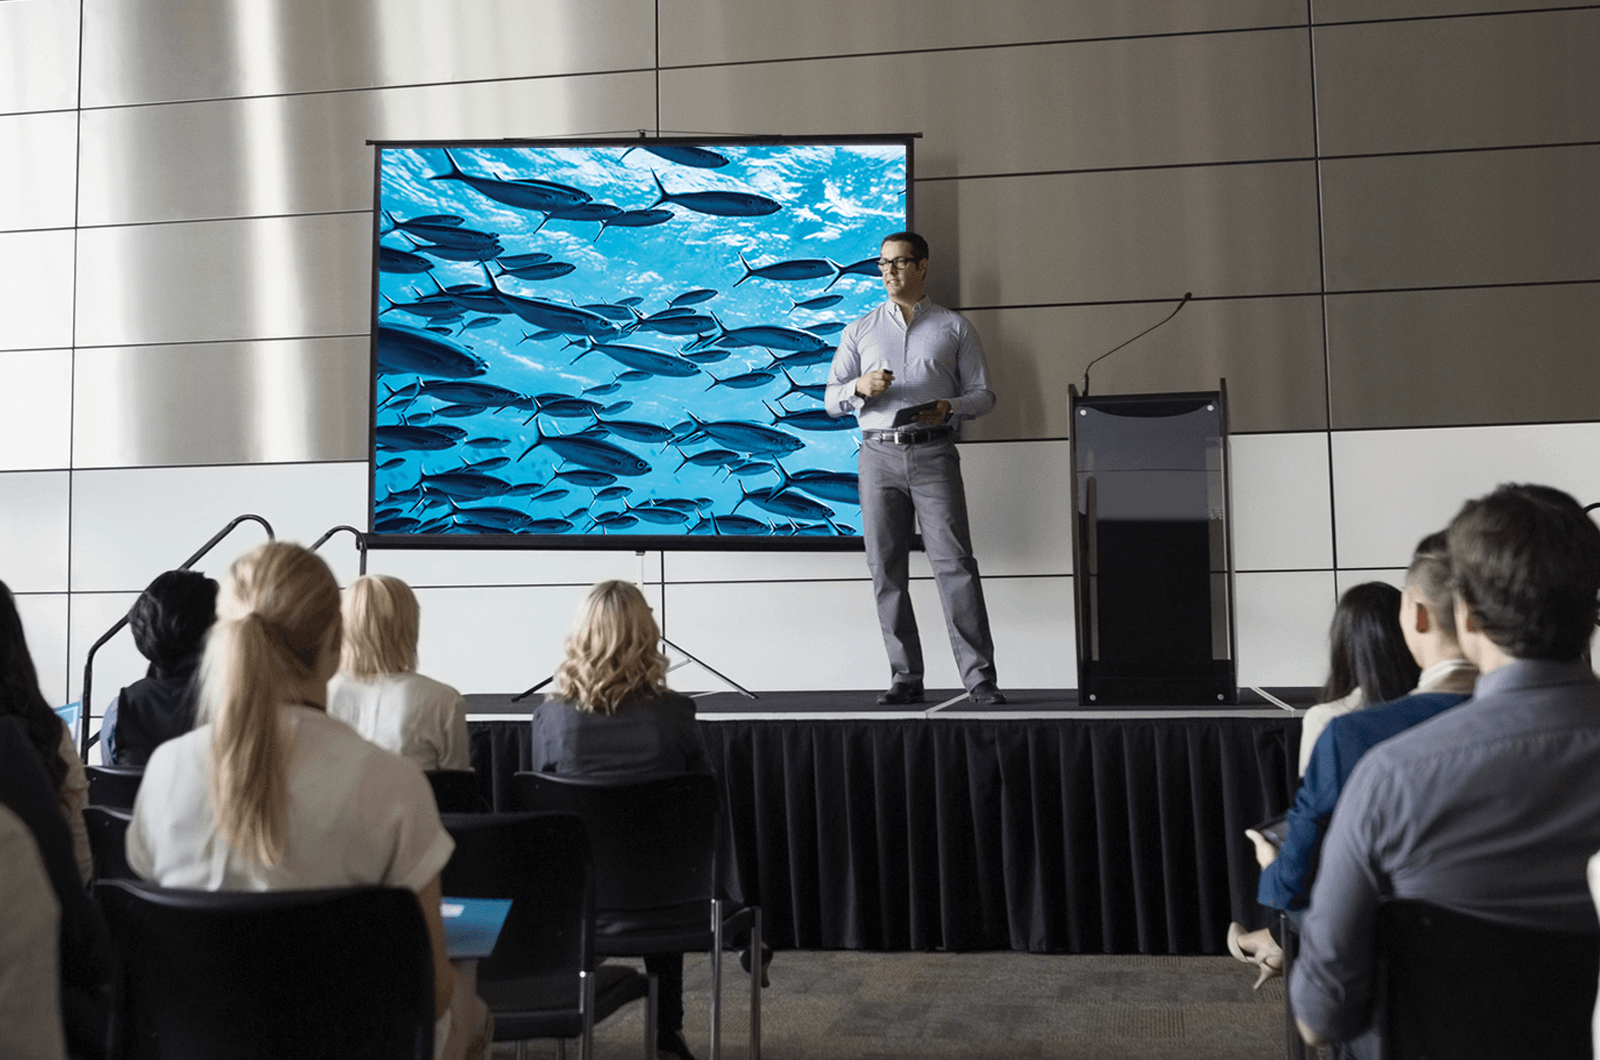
column 907, row 435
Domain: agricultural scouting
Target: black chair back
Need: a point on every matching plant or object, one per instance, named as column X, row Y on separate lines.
column 267, row 975
column 1465, row 988
column 541, row 862
column 108, row 835
column 114, row 785
column 456, row 791
column 654, row 842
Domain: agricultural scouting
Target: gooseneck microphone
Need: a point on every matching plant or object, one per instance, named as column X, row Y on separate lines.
column 1181, row 303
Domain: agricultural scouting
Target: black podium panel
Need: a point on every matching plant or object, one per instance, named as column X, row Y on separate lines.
column 1151, row 548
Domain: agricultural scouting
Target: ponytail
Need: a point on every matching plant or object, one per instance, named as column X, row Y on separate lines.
column 274, row 616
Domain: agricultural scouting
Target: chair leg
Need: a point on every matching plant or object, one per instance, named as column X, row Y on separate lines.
column 755, row 983
column 522, row 1051
column 716, row 979
column 652, row 1019
column 561, row 1049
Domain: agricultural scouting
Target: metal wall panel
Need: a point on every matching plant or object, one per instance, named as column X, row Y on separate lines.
column 130, row 524
column 496, row 638
column 1283, row 627
column 1282, row 501
column 1094, row 237
column 149, row 51
column 33, row 531
column 1487, row 217
column 38, row 55
column 1390, row 488
column 1459, row 82
column 36, row 427
column 228, row 403
column 1269, row 350
column 36, row 289
column 1324, row 11
column 306, row 154
column 1029, row 109
column 225, row 280
column 44, row 623
column 40, row 172
column 117, row 663
column 730, row 31
column 1495, row 355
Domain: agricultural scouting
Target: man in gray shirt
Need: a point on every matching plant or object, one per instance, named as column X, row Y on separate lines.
column 1491, row 808
column 906, row 353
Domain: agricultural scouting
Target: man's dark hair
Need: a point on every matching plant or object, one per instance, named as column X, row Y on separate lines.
column 1368, row 649
column 1526, row 565
column 919, row 246
column 170, row 620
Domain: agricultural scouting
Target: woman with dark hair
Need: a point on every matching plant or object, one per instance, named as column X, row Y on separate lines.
column 613, row 716
column 169, row 623
column 1368, row 661
column 20, row 698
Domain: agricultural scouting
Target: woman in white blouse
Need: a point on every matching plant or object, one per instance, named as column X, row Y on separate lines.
column 269, row 793
column 377, row 691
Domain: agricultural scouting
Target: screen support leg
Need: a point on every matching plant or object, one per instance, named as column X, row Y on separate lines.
column 689, row 658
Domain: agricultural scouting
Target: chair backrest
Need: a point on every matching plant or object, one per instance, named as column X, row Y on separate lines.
column 541, row 862
column 260, row 975
column 1462, row 987
column 456, row 791
column 654, row 841
column 114, row 785
column 108, row 836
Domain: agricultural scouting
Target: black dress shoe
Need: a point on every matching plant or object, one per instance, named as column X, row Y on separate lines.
column 985, row 694
column 902, row 692
column 672, row 1042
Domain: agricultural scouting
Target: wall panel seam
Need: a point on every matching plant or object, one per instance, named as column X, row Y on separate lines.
column 1053, row 42
column 1458, row 15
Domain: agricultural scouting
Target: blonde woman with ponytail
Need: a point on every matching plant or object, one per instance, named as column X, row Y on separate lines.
column 269, row 793
column 613, row 716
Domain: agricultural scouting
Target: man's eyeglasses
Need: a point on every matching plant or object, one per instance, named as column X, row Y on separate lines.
column 885, row 264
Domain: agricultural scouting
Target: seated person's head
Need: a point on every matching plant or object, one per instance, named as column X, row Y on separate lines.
column 1368, row 647
column 381, row 619
column 1526, row 564
column 275, row 644
column 612, row 655
column 1428, row 602
column 170, row 620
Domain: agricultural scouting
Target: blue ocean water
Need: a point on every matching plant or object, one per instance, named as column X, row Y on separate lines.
column 591, row 339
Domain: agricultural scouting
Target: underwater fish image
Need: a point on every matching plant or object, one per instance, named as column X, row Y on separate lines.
column 699, row 157
column 801, row 269
column 719, row 203
column 578, row 386
column 401, row 261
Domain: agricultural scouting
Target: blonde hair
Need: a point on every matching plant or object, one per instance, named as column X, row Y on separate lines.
column 277, row 610
column 612, row 655
column 380, row 627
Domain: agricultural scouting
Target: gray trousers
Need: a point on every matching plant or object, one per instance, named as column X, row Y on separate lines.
column 897, row 482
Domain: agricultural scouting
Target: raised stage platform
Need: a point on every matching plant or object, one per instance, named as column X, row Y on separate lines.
column 1037, row 825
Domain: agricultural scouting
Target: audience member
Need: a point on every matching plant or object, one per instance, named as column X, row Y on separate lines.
column 1369, row 662
column 1427, row 618
column 377, row 690
column 169, row 623
column 613, row 716
column 30, row 1010
column 269, row 793
column 20, row 698
column 1490, row 808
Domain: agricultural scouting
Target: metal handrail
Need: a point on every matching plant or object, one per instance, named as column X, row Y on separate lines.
column 361, row 542
column 85, row 741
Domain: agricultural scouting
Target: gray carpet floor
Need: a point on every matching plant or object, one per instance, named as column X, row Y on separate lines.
column 847, row 1005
